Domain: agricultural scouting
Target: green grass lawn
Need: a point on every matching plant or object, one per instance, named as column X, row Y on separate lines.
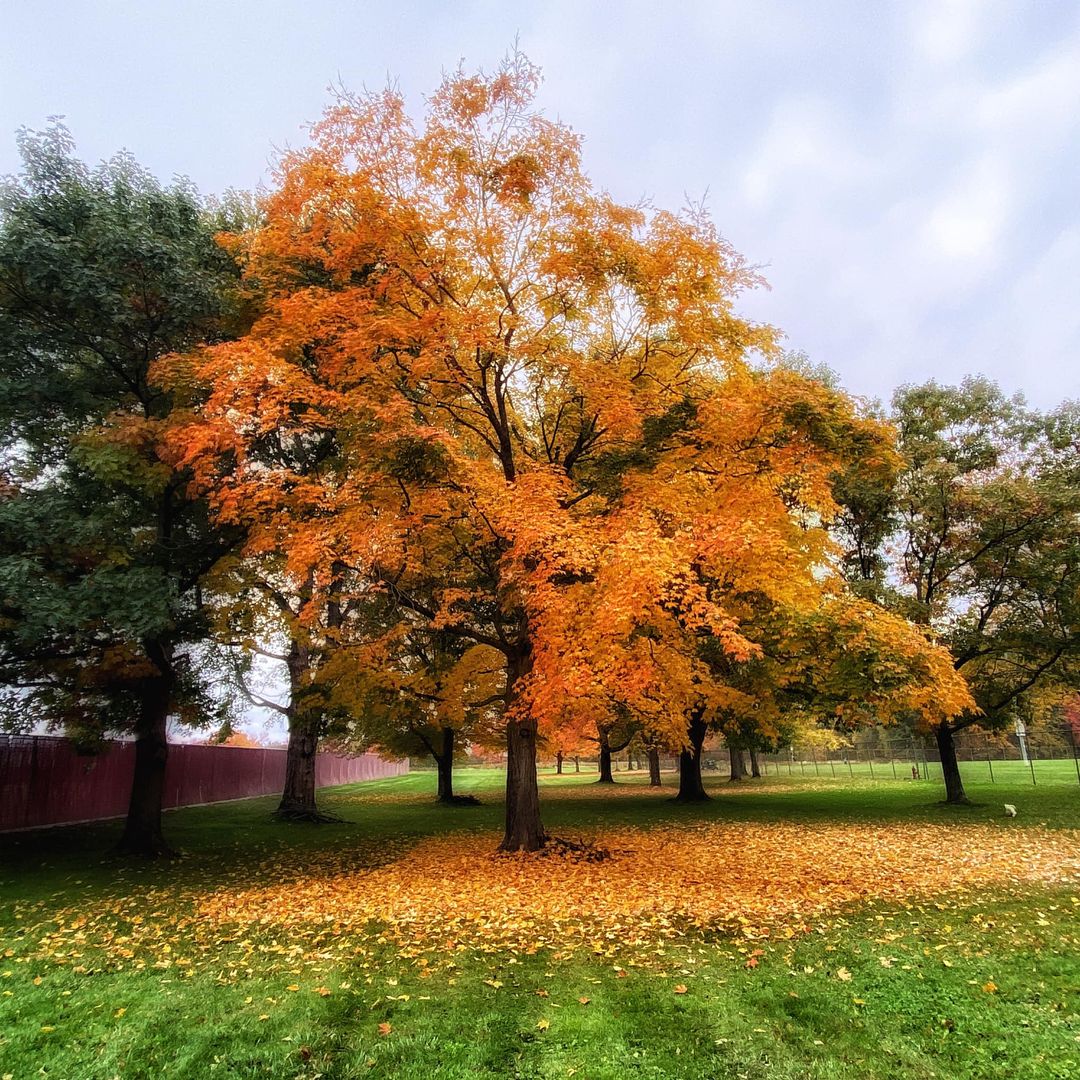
column 972, row 984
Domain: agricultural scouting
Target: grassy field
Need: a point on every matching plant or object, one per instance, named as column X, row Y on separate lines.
column 397, row 946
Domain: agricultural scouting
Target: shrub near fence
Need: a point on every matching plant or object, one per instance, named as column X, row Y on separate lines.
column 45, row 781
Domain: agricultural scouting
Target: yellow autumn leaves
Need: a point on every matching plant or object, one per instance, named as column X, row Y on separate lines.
column 447, row 896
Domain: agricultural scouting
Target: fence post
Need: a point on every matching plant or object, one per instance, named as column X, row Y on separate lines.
column 1076, row 757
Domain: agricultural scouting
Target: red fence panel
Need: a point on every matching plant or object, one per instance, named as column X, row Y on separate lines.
column 44, row 781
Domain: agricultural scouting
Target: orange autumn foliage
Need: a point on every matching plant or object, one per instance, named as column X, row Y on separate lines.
column 552, row 437
column 437, row 898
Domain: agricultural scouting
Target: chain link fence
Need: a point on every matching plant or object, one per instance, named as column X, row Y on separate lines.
column 1021, row 755
column 1050, row 752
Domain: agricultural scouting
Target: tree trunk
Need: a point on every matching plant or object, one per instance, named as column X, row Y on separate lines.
column 298, row 796
column 755, row 765
column 605, row 758
column 950, row 768
column 691, row 788
column 738, row 765
column 524, row 830
column 577, row 764
column 142, row 830
column 444, row 760
column 558, row 763
column 654, row 767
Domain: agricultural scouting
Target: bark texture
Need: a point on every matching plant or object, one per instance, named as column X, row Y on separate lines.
column 691, row 788
column 738, row 764
column 298, row 795
column 524, row 830
column 605, row 759
column 142, row 829
column 444, row 761
column 950, row 768
column 654, row 768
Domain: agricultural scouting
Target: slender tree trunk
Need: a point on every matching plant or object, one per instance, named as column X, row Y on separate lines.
column 524, row 830
column 558, row 762
column 738, row 764
column 755, row 765
column 691, row 787
column 654, row 767
column 577, row 764
column 444, row 760
column 605, row 758
column 950, row 768
column 142, row 830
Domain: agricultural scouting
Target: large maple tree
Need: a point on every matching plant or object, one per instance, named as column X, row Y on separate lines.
column 550, row 439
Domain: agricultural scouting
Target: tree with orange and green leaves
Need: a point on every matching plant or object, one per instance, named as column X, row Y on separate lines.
column 554, row 444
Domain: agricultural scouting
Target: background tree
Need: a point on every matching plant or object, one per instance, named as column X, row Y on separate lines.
column 980, row 540
column 102, row 550
column 263, row 612
column 424, row 694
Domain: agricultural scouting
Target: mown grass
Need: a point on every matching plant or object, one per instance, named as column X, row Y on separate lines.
column 984, row 986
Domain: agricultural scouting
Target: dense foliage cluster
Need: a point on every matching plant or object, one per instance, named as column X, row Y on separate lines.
column 480, row 455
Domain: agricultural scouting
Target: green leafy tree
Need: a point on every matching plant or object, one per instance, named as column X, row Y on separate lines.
column 103, row 551
column 980, row 540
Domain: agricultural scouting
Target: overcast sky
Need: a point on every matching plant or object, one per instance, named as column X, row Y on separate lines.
column 906, row 173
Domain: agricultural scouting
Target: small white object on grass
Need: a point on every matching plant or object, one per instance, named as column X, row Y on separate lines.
column 1010, row 810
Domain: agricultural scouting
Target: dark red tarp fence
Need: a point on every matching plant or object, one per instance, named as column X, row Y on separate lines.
column 43, row 781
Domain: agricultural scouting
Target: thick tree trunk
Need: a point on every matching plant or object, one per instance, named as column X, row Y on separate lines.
column 738, row 764
column 605, row 758
column 950, row 768
column 298, row 795
column 142, row 830
column 558, row 763
column 524, row 830
column 755, row 765
column 654, row 767
column 691, row 788
column 444, row 760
